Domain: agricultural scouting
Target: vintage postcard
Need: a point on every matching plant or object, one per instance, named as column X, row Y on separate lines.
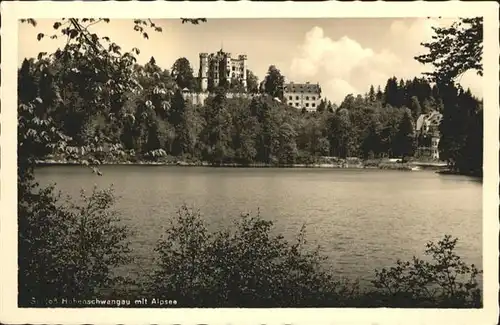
column 249, row 163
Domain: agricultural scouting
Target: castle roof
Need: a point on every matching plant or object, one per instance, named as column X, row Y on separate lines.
column 302, row 87
column 433, row 119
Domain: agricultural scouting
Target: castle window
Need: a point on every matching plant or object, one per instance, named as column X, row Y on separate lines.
column 297, row 97
column 313, row 98
column 290, row 103
column 307, row 104
column 234, row 68
column 290, row 98
column 307, row 97
column 297, row 104
column 313, row 104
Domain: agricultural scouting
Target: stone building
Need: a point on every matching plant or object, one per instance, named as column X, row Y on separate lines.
column 220, row 66
column 301, row 96
column 428, row 135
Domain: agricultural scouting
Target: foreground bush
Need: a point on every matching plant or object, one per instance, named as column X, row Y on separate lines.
column 67, row 250
column 443, row 281
column 251, row 267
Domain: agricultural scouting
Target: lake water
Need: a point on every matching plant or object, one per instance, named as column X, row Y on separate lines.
column 364, row 219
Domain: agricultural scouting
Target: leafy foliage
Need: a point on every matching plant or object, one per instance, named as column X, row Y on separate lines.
column 91, row 79
column 455, row 50
column 73, row 103
column 183, row 74
column 444, row 282
column 248, row 267
column 125, row 111
column 252, row 82
column 273, row 83
column 194, row 21
column 68, row 249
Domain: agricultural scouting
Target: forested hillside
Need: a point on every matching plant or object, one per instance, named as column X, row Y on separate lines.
column 154, row 121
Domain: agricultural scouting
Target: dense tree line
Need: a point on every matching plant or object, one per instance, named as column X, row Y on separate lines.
column 157, row 122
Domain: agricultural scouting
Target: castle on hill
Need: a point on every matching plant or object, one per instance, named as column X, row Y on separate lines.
column 217, row 69
column 221, row 66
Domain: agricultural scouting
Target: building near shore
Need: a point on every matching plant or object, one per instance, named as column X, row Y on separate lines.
column 303, row 95
column 428, row 135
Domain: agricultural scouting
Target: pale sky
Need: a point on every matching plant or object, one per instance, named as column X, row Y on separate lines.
column 344, row 55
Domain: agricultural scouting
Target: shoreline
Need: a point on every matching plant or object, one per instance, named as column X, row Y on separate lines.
column 410, row 166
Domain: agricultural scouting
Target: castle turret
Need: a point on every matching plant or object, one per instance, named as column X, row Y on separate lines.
column 243, row 58
column 203, row 71
column 227, row 66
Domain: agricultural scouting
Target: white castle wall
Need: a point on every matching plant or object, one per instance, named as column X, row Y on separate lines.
column 200, row 98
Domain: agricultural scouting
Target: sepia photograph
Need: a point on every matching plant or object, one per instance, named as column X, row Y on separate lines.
column 227, row 163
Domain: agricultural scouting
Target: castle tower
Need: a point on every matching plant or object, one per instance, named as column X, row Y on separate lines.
column 227, row 67
column 204, row 71
column 243, row 58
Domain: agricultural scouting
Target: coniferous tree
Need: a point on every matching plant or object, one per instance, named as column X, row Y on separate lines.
column 380, row 94
column 371, row 94
column 329, row 107
column 401, row 94
column 391, row 92
column 322, row 106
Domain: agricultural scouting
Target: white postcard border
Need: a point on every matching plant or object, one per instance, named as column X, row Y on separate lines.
column 12, row 11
